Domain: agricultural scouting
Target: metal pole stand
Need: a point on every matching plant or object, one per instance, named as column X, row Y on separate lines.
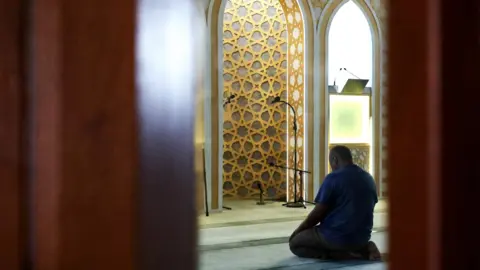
column 260, row 189
column 300, row 172
column 297, row 202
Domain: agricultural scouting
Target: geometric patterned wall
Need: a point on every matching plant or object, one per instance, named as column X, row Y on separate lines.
column 296, row 86
column 255, row 70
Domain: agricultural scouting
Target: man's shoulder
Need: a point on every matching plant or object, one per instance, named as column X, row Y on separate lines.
column 338, row 174
column 330, row 177
column 355, row 171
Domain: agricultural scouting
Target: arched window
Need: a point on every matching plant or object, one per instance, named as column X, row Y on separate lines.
column 350, row 56
column 349, row 45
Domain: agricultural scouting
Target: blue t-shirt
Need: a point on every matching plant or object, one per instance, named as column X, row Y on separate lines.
column 350, row 194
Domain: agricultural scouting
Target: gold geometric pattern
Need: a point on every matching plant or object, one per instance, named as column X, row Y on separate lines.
column 296, row 86
column 255, row 70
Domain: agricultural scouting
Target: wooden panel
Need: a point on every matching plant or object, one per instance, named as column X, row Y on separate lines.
column 460, row 187
column 433, row 151
column 413, row 135
column 167, row 77
column 85, row 155
column 86, row 144
column 11, row 135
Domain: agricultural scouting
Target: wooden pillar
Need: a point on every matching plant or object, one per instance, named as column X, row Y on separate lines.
column 433, row 111
column 84, row 138
column 169, row 43
column 460, row 187
column 12, row 130
column 113, row 86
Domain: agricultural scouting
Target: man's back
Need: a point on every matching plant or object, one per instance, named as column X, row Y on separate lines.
column 350, row 195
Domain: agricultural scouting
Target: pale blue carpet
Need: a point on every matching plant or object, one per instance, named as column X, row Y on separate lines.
column 275, row 256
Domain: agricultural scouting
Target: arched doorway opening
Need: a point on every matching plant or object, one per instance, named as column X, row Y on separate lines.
column 257, row 53
column 350, row 61
column 350, row 45
column 255, row 71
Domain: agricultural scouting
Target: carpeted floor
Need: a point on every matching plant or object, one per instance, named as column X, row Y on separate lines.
column 274, row 254
column 250, row 237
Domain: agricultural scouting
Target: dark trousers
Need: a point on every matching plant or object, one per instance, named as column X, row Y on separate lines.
column 311, row 244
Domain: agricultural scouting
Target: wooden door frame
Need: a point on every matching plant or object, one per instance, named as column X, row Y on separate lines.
column 432, row 100
column 13, row 136
column 113, row 151
column 433, row 154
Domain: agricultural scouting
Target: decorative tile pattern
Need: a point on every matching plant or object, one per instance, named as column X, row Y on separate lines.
column 255, row 70
column 260, row 62
column 296, row 86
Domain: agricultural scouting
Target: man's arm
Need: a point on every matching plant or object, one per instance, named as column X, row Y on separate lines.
column 316, row 216
column 323, row 201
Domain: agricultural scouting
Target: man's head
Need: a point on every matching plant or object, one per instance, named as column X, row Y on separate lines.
column 340, row 156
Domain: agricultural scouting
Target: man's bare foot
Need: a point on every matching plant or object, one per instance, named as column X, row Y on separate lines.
column 373, row 252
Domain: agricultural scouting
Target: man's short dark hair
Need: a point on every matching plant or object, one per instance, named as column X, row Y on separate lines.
column 342, row 152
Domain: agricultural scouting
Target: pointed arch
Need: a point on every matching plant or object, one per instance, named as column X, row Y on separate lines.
column 325, row 21
column 349, row 45
column 213, row 117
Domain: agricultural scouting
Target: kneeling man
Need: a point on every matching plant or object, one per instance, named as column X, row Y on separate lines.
column 340, row 225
